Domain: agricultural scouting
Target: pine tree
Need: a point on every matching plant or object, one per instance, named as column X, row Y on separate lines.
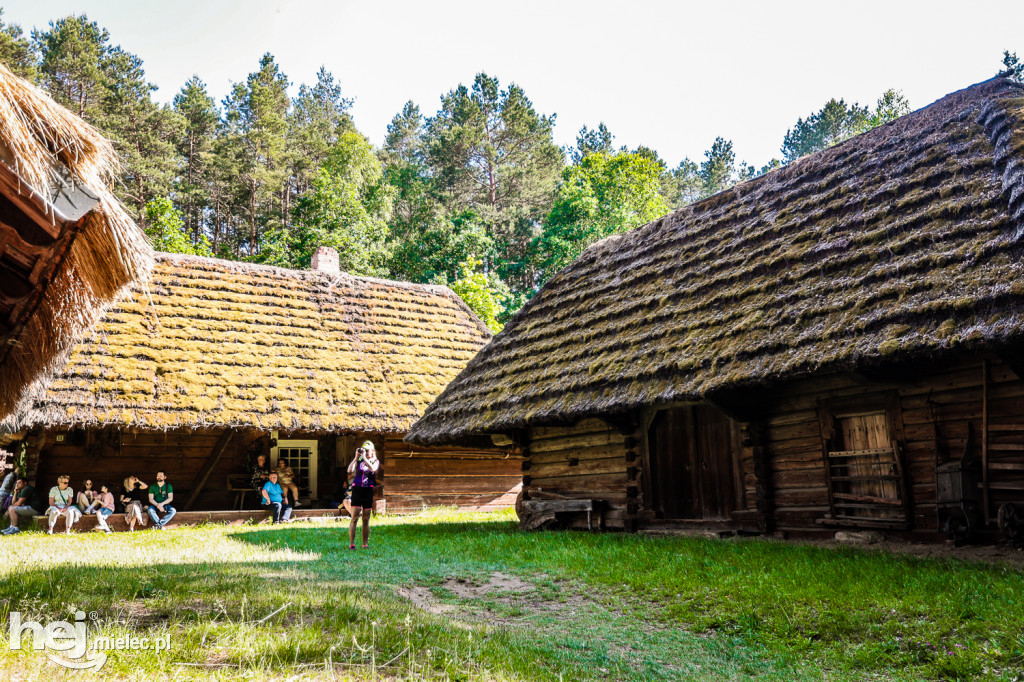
column 199, row 118
column 70, row 66
column 256, row 117
column 492, row 154
column 143, row 132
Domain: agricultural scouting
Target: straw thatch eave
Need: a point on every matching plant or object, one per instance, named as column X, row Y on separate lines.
column 904, row 242
column 67, row 247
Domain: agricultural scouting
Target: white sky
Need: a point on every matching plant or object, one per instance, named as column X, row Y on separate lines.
column 670, row 75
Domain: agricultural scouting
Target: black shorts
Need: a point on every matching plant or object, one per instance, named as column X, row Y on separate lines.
column 362, row 497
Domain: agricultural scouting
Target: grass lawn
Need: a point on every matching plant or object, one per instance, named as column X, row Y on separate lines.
column 445, row 595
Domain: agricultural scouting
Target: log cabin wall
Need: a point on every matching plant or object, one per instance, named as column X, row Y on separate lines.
column 473, row 479
column 110, row 455
column 583, row 461
column 411, row 477
column 937, row 410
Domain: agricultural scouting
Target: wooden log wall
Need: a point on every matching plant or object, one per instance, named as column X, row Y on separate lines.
column 110, row 455
column 585, row 461
column 473, row 479
column 411, row 477
column 936, row 407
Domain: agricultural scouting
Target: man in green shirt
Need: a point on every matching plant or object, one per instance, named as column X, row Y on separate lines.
column 161, row 494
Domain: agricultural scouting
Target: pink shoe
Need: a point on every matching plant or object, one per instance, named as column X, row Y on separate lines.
column 351, row 546
column 366, row 547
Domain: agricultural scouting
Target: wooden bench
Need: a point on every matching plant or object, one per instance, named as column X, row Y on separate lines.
column 535, row 513
column 188, row 518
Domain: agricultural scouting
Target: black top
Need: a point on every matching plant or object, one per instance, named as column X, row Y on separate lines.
column 139, row 494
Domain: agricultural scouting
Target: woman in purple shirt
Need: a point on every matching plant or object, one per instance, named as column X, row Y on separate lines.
column 364, row 466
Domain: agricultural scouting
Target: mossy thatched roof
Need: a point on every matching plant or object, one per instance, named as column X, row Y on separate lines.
column 903, row 242
column 220, row 343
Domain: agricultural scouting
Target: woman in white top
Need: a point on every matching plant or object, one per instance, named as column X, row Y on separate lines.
column 62, row 503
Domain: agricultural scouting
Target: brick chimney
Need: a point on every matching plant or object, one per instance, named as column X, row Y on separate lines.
column 325, row 259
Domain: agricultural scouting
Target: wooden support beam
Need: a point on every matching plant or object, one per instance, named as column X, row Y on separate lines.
column 30, row 202
column 984, row 441
column 218, row 450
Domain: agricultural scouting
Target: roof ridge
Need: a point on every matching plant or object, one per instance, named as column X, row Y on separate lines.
column 247, row 266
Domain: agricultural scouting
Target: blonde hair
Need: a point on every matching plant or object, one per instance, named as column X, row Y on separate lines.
column 128, row 483
column 63, row 478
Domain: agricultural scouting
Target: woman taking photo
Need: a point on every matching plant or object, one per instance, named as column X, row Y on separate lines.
column 364, row 466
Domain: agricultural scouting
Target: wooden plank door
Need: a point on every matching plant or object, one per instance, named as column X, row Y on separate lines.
column 692, row 474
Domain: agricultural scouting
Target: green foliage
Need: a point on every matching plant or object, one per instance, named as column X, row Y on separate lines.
column 490, row 152
column 16, row 51
column 256, row 123
column 167, row 231
column 71, row 64
column 604, row 194
column 598, row 141
column 1012, row 66
column 838, row 121
column 200, row 119
column 482, row 293
column 143, row 132
column 347, row 207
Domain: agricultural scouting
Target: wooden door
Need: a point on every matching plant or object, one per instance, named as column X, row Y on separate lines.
column 692, row 473
column 302, row 457
column 865, row 467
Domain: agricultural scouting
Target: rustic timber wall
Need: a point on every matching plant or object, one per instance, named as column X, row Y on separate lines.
column 414, row 477
column 108, row 456
column 935, row 407
column 411, row 477
column 584, row 461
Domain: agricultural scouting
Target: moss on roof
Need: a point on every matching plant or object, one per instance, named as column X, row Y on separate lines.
column 219, row 343
column 904, row 241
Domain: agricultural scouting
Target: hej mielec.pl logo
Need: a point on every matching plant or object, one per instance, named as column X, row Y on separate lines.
column 71, row 641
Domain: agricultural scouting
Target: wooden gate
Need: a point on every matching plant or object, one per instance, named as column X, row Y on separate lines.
column 692, row 469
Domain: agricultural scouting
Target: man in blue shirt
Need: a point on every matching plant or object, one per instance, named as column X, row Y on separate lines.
column 273, row 497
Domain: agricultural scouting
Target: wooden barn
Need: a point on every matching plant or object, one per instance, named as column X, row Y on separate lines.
column 67, row 248
column 836, row 344
column 217, row 362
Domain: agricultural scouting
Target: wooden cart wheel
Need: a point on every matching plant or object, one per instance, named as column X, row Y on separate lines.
column 1009, row 523
column 958, row 526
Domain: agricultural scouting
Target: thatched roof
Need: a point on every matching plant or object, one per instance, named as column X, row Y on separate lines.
column 66, row 245
column 221, row 343
column 901, row 243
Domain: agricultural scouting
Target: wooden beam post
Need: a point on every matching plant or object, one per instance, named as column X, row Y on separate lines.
column 984, row 440
column 218, row 450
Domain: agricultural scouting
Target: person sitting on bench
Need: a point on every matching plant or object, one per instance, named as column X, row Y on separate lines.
column 286, row 478
column 62, row 503
column 161, row 494
column 7, row 487
column 25, row 505
column 133, row 497
column 273, row 497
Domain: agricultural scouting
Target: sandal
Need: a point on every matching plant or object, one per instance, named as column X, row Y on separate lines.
column 351, row 546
